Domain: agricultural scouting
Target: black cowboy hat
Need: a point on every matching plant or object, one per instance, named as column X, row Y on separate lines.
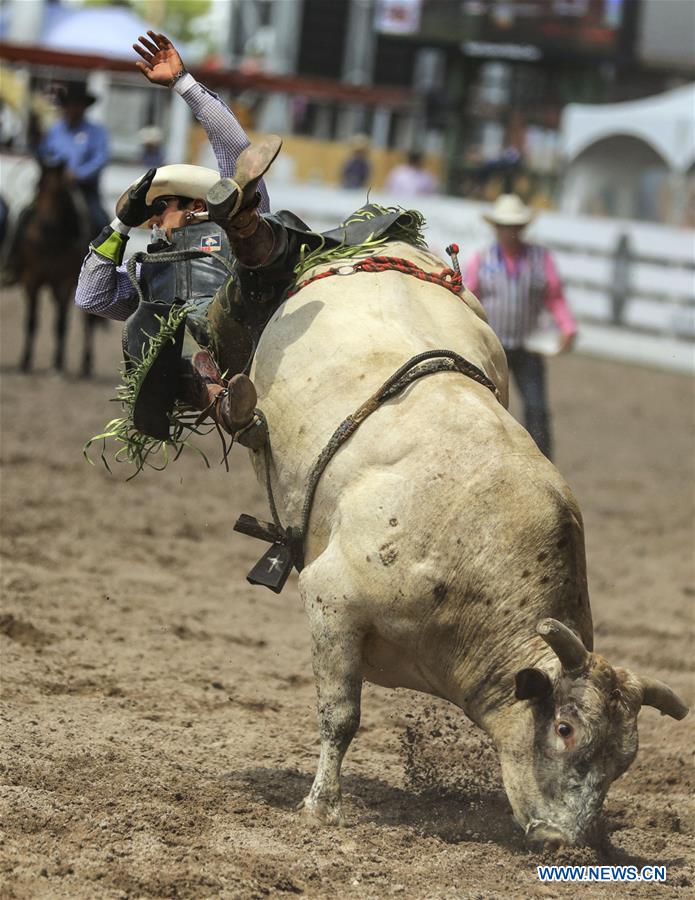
column 75, row 92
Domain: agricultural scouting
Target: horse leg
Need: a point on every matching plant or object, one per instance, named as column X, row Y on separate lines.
column 32, row 309
column 337, row 661
column 62, row 300
column 88, row 348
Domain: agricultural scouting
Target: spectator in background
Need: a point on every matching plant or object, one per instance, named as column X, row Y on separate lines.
column 82, row 145
column 10, row 123
column 152, row 152
column 411, row 178
column 515, row 281
column 357, row 169
column 506, row 167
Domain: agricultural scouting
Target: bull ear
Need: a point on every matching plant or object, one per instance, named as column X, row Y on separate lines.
column 532, row 684
column 660, row 696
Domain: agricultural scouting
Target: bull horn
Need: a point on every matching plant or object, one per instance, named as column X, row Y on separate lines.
column 659, row 695
column 567, row 646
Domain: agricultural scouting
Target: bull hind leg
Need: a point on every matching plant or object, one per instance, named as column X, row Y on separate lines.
column 337, row 661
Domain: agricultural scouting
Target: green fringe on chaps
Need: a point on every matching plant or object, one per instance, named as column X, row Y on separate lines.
column 134, row 447
column 409, row 228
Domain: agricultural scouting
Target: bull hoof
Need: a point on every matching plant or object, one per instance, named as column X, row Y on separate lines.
column 322, row 812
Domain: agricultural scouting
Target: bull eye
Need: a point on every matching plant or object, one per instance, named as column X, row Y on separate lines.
column 564, row 729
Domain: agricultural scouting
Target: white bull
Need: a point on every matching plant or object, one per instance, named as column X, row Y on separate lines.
column 444, row 552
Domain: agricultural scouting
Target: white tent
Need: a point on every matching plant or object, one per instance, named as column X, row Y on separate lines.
column 630, row 159
column 98, row 31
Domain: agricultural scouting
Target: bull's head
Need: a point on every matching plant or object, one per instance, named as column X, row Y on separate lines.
column 576, row 733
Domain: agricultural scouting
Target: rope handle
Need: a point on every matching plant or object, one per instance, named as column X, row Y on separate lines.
column 452, row 252
column 449, row 278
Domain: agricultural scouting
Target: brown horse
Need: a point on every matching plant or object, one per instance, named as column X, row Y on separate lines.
column 52, row 242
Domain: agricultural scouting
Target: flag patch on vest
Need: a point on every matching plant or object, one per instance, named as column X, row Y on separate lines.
column 211, row 243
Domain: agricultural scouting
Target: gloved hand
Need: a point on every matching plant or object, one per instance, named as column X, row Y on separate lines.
column 136, row 209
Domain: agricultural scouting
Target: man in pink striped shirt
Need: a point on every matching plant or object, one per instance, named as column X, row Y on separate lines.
column 516, row 281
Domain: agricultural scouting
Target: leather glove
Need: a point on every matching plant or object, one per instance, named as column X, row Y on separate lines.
column 136, row 209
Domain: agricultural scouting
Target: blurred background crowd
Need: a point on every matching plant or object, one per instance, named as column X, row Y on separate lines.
column 582, row 105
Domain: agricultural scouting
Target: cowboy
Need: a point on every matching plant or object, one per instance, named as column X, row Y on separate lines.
column 515, row 281
column 171, row 200
column 82, row 146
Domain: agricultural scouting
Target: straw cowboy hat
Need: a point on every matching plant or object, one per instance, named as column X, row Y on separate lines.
column 179, row 180
column 509, row 209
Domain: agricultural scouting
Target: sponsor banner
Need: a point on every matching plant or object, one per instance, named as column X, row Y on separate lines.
column 398, row 16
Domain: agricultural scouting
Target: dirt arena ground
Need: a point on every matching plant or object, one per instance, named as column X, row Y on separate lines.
column 158, row 712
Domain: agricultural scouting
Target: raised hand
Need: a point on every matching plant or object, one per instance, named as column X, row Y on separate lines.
column 162, row 62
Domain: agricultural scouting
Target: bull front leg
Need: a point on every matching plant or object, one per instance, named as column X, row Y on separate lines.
column 337, row 661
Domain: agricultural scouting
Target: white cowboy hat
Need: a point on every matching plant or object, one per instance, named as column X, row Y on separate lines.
column 180, row 180
column 151, row 134
column 509, row 209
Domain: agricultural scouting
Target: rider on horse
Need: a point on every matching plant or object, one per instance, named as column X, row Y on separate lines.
column 78, row 148
column 82, row 146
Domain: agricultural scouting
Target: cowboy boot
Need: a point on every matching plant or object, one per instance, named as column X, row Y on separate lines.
column 200, row 381
column 236, row 410
column 231, row 407
column 237, row 405
column 233, row 204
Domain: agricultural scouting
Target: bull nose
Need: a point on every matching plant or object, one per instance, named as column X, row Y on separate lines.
column 546, row 836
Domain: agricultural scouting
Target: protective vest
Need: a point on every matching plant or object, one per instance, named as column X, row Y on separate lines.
column 188, row 280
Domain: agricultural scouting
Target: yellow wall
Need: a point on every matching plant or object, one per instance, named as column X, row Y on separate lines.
column 322, row 161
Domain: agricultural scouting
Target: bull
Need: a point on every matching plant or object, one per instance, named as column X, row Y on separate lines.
column 443, row 553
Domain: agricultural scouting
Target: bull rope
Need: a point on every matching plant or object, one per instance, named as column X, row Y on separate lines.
column 449, row 278
column 426, row 363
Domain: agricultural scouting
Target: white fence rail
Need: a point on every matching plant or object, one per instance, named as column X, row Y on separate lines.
column 630, row 285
